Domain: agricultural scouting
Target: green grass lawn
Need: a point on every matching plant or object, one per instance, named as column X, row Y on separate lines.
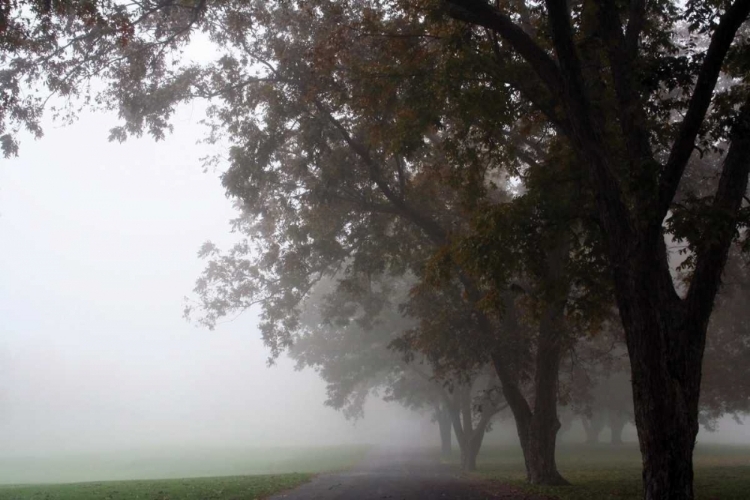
column 175, row 463
column 606, row 472
column 215, row 488
column 240, row 474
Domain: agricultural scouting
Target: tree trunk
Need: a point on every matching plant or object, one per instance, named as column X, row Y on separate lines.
column 541, row 464
column 469, row 459
column 617, row 423
column 593, row 427
column 537, row 428
column 444, row 422
column 468, row 436
column 537, row 433
column 665, row 337
column 462, row 427
column 665, row 398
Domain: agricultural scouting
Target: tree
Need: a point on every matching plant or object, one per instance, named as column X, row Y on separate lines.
column 347, row 328
column 374, row 174
column 604, row 397
column 394, row 168
column 602, row 72
column 606, row 81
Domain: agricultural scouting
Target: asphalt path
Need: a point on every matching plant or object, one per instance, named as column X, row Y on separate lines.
column 401, row 475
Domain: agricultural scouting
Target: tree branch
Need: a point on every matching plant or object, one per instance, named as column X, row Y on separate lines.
column 682, row 148
column 530, row 85
column 630, row 109
column 636, row 21
column 713, row 250
column 433, row 230
column 480, row 13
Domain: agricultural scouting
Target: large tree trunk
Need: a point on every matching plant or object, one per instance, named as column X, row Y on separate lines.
column 666, row 373
column 665, row 334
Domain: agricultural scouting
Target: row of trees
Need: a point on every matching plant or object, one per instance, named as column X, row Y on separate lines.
column 473, row 184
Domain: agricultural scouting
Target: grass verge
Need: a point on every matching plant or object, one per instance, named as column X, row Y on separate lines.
column 216, row 488
column 607, row 473
column 273, row 470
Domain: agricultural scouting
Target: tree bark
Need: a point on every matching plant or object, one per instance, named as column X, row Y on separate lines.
column 666, row 414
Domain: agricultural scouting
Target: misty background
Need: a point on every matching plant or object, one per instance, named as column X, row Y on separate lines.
column 99, row 249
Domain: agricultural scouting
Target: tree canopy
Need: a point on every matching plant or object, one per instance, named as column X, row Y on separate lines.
column 529, row 164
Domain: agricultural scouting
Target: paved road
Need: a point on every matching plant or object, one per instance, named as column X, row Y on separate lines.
column 400, row 475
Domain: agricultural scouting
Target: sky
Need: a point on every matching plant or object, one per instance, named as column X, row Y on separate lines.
column 98, row 249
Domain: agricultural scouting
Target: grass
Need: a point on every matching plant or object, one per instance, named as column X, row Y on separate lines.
column 604, row 472
column 176, row 463
column 245, row 474
column 216, row 488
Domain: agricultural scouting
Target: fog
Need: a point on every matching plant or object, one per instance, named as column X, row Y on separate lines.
column 99, row 245
column 99, row 251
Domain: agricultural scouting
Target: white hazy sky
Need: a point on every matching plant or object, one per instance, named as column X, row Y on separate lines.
column 98, row 246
